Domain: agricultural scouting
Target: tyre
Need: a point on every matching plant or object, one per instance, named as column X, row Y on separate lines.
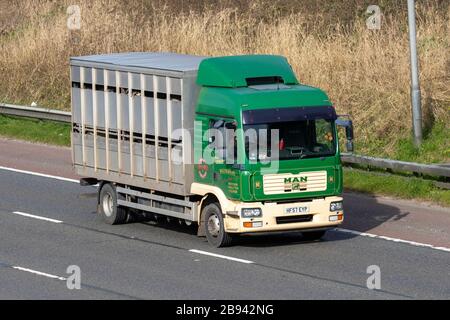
column 313, row 235
column 214, row 226
column 108, row 208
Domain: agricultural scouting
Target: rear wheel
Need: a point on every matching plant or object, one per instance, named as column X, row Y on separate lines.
column 109, row 210
column 313, row 235
column 214, row 226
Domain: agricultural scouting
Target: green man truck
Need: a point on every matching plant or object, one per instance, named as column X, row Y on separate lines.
column 234, row 145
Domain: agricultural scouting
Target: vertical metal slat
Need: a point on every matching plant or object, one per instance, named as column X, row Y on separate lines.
column 131, row 121
column 183, row 135
column 94, row 116
column 83, row 112
column 169, row 126
column 106, row 100
column 72, row 118
column 156, row 104
column 144, row 126
column 119, row 123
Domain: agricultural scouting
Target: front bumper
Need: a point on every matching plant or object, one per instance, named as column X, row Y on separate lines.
column 275, row 218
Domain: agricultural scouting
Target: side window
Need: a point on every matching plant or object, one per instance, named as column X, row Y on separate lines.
column 324, row 133
column 223, row 139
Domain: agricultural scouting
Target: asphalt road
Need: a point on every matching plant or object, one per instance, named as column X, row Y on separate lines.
column 144, row 260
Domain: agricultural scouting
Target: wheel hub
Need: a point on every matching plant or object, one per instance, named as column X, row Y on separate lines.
column 214, row 225
column 108, row 205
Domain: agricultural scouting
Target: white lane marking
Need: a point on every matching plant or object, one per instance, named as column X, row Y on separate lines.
column 39, row 273
column 36, row 217
column 220, row 256
column 413, row 243
column 39, row 174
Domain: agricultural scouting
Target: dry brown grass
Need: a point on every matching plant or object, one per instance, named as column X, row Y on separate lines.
column 365, row 72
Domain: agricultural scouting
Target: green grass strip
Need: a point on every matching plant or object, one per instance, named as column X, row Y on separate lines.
column 49, row 132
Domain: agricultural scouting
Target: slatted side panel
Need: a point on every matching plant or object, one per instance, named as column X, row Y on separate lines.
column 119, row 119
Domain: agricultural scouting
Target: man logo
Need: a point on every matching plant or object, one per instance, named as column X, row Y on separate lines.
column 296, row 179
column 295, row 183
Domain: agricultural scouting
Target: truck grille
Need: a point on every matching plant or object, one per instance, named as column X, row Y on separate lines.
column 294, row 219
column 294, row 183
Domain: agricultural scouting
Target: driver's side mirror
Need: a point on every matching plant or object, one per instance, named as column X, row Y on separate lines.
column 348, row 125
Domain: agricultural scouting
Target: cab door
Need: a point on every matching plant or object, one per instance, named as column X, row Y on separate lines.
column 224, row 146
column 203, row 152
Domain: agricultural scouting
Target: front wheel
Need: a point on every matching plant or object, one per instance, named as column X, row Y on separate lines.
column 214, row 226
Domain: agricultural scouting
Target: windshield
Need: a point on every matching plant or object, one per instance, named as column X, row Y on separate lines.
column 296, row 140
column 289, row 133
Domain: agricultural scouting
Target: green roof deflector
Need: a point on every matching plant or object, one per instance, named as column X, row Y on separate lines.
column 232, row 71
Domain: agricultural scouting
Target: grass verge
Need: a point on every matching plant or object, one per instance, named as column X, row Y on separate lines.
column 395, row 185
column 354, row 179
column 435, row 146
column 34, row 130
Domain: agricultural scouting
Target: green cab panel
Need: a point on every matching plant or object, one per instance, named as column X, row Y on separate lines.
column 233, row 71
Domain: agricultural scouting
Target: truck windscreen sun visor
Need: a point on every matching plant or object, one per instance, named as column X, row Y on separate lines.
column 288, row 114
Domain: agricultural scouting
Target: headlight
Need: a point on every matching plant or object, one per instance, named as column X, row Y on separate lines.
column 336, row 206
column 251, row 212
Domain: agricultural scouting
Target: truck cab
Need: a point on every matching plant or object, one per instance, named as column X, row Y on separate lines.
column 264, row 182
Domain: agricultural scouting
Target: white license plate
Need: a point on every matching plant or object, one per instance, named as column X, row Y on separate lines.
column 296, row 210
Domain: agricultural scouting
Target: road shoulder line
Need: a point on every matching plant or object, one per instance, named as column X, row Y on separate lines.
column 37, row 217
column 39, row 174
column 371, row 235
column 39, row 273
column 220, row 256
